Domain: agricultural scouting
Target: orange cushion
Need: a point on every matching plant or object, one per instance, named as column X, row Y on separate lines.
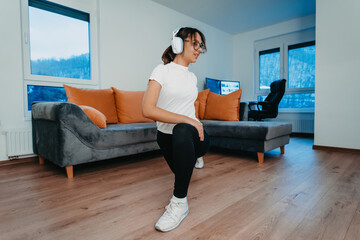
column 100, row 99
column 95, row 116
column 223, row 107
column 197, row 105
column 129, row 106
column 202, row 98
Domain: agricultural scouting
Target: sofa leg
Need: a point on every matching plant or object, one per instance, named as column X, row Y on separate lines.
column 69, row 171
column 41, row 160
column 282, row 149
column 260, row 157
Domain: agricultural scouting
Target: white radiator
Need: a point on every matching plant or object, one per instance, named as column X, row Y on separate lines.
column 302, row 126
column 19, row 143
column 301, row 123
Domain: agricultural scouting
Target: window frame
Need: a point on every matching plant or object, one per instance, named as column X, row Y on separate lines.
column 283, row 42
column 32, row 79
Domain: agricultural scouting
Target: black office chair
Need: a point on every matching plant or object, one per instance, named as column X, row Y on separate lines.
column 269, row 107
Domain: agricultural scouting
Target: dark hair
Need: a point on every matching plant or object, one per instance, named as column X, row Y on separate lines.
column 168, row 55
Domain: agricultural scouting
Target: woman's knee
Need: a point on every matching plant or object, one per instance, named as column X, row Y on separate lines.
column 183, row 130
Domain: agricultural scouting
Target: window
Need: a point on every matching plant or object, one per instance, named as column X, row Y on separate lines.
column 301, row 65
column 269, row 64
column 45, row 93
column 59, row 42
column 291, row 57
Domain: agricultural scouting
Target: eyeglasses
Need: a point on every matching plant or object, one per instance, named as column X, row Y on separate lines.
column 198, row 45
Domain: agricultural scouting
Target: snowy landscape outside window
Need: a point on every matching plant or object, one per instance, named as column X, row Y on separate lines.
column 300, row 74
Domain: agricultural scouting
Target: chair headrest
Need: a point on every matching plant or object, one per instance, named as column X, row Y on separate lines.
column 278, row 85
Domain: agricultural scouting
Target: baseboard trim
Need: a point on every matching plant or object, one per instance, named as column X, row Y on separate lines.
column 337, row 149
column 18, row 161
column 303, row 135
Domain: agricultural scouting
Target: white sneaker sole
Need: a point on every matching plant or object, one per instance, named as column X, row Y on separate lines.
column 173, row 227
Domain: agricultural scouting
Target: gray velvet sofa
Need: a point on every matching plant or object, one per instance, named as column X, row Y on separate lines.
column 64, row 135
column 251, row 136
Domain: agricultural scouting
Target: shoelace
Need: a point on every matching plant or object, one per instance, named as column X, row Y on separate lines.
column 170, row 212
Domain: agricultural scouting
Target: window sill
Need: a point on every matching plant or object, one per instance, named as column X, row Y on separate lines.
column 296, row 110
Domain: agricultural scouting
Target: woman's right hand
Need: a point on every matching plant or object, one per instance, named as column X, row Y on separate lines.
column 199, row 127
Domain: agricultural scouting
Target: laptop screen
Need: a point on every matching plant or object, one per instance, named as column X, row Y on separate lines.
column 222, row 87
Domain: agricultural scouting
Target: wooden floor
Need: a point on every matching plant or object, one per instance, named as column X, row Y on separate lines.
column 303, row 194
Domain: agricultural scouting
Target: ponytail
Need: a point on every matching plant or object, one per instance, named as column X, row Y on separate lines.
column 168, row 55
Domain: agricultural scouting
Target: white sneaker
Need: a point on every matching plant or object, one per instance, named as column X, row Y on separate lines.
column 174, row 214
column 199, row 162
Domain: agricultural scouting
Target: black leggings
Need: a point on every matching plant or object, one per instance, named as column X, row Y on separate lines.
column 181, row 149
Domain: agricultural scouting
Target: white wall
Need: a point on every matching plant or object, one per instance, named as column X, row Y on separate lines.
column 11, row 80
column 337, row 111
column 243, row 56
column 134, row 34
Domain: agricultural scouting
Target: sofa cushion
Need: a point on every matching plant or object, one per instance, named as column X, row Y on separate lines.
column 244, row 144
column 129, row 106
column 246, row 129
column 202, row 98
column 197, row 105
column 95, row 116
column 101, row 99
column 124, row 134
column 223, row 107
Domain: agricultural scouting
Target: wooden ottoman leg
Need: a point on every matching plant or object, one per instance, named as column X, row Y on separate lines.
column 69, row 171
column 260, row 157
column 282, row 149
column 41, row 160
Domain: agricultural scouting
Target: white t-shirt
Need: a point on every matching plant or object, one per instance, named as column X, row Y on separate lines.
column 178, row 92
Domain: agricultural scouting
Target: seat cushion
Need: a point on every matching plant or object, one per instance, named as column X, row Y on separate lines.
column 113, row 136
column 123, row 134
column 247, row 129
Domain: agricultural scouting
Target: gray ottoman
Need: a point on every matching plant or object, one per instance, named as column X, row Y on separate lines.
column 253, row 136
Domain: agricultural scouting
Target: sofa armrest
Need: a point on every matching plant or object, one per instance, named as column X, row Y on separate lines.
column 45, row 110
column 55, row 126
column 244, row 111
column 67, row 113
column 58, row 111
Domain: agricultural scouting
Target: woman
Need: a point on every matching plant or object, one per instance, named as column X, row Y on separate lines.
column 169, row 100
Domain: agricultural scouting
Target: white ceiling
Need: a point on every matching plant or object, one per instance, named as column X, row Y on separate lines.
column 236, row 16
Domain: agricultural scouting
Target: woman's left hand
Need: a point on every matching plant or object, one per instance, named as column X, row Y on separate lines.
column 199, row 127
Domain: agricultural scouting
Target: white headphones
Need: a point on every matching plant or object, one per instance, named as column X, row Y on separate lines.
column 177, row 42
